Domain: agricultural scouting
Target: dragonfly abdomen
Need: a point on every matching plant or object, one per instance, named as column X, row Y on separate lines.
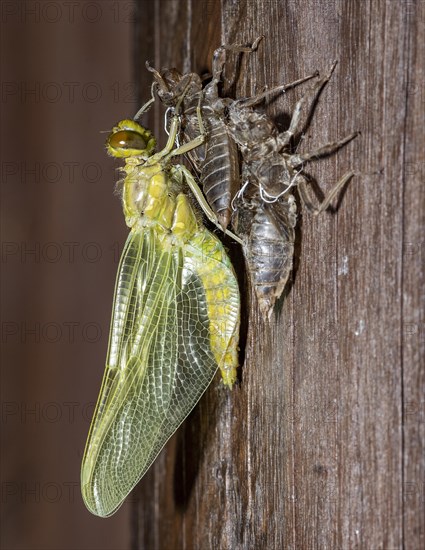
column 269, row 249
column 220, row 170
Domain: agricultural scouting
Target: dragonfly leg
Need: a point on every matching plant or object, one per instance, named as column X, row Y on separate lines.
column 219, row 58
column 251, row 101
column 206, row 208
column 147, row 105
column 169, row 149
column 305, row 194
column 193, row 143
column 314, row 92
column 296, row 161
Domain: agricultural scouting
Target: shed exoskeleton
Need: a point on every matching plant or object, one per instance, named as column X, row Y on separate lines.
column 265, row 210
column 216, row 161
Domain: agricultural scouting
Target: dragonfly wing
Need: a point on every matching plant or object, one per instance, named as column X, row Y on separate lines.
column 159, row 363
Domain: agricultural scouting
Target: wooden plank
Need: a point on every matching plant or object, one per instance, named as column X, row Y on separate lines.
column 413, row 326
column 311, row 449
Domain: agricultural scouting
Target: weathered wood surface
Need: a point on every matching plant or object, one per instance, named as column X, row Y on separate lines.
column 322, row 443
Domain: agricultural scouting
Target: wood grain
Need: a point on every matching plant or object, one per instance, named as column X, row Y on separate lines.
column 322, row 443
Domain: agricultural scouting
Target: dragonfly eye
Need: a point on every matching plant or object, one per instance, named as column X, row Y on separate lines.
column 127, row 139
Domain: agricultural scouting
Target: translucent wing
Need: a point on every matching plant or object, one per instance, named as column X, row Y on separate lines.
column 159, row 360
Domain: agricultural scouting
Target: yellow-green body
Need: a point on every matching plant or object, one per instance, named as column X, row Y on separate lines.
column 175, row 320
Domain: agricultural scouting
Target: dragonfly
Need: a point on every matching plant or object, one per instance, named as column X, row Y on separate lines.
column 175, row 317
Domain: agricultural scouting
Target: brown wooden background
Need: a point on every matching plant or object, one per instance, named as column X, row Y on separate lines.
column 66, row 75
column 322, row 444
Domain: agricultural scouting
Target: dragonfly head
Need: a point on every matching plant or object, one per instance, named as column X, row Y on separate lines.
column 129, row 139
